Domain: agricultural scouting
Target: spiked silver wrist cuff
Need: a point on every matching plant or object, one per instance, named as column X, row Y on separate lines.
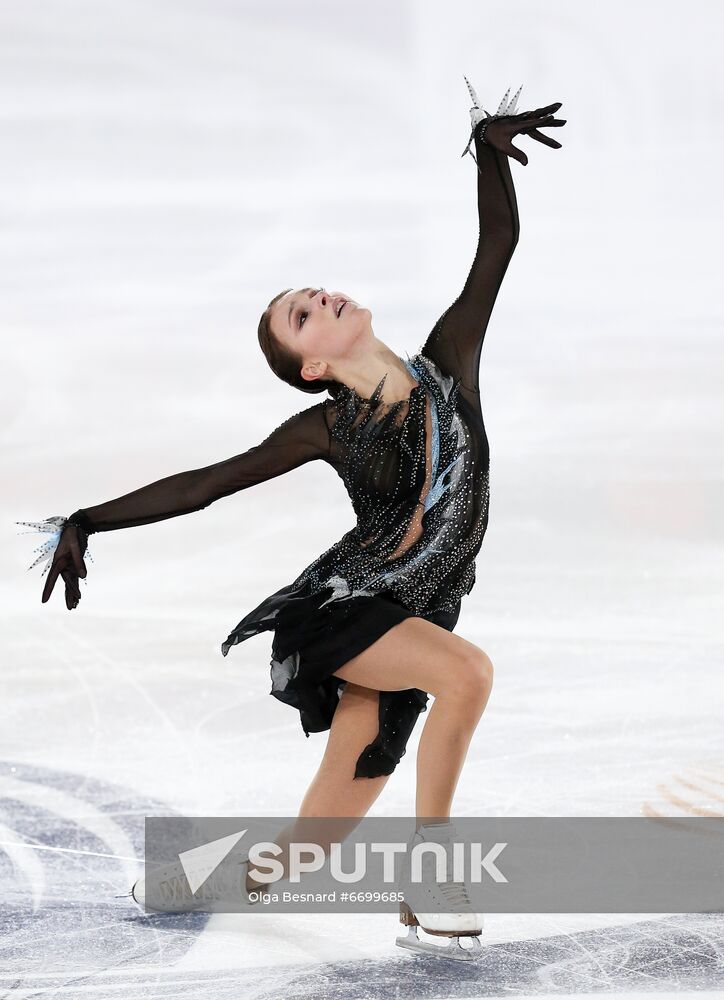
column 478, row 115
column 54, row 527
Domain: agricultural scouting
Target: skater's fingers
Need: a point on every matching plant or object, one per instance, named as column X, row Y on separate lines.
column 539, row 112
column 550, row 122
column 75, row 552
column 516, row 153
column 545, row 139
column 536, row 121
column 53, row 575
column 72, row 590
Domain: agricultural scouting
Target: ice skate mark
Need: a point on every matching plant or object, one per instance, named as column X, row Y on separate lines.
column 25, row 862
column 216, row 720
column 55, row 651
column 100, row 656
column 75, row 841
column 67, row 809
column 551, row 973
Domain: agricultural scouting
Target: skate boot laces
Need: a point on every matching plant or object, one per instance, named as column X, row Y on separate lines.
column 456, row 893
column 224, row 884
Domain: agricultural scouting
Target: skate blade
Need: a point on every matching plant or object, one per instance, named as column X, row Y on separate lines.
column 453, row 950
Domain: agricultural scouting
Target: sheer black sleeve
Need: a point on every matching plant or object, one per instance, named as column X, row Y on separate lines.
column 456, row 340
column 301, row 438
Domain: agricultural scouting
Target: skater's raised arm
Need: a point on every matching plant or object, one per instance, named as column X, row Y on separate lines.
column 456, row 340
column 301, row 438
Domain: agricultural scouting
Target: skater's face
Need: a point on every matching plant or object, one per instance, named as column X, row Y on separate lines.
column 307, row 321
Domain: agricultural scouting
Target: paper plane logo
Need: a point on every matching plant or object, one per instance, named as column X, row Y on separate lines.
column 200, row 862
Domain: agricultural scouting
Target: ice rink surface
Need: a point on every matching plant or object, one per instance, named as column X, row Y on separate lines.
column 166, row 168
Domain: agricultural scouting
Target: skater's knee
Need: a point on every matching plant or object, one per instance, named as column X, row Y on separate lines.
column 473, row 678
column 479, row 675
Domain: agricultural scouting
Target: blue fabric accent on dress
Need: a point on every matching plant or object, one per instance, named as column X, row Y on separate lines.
column 437, row 489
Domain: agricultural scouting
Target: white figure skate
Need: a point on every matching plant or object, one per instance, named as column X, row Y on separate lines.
column 169, row 890
column 429, row 908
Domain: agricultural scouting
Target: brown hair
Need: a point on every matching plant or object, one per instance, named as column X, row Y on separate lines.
column 286, row 364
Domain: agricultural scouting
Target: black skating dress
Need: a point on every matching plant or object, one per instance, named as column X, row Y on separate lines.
column 416, row 472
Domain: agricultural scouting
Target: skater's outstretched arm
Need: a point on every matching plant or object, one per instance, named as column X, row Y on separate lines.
column 301, row 438
column 456, row 340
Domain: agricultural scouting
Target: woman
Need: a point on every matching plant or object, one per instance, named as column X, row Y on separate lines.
column 365, row 633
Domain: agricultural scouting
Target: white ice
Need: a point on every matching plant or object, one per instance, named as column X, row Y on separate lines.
column 165, row 169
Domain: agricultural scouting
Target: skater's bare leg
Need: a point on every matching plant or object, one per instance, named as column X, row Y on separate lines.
column 443, row 746
column 334, row 790
column 419, row 654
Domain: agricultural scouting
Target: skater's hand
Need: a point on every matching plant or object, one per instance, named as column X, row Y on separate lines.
column 68, row 563
column 500, row 131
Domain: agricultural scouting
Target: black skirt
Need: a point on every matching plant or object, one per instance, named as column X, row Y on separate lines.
column 312, row 640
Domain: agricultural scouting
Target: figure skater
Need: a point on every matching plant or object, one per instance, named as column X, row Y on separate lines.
column 365, row 633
